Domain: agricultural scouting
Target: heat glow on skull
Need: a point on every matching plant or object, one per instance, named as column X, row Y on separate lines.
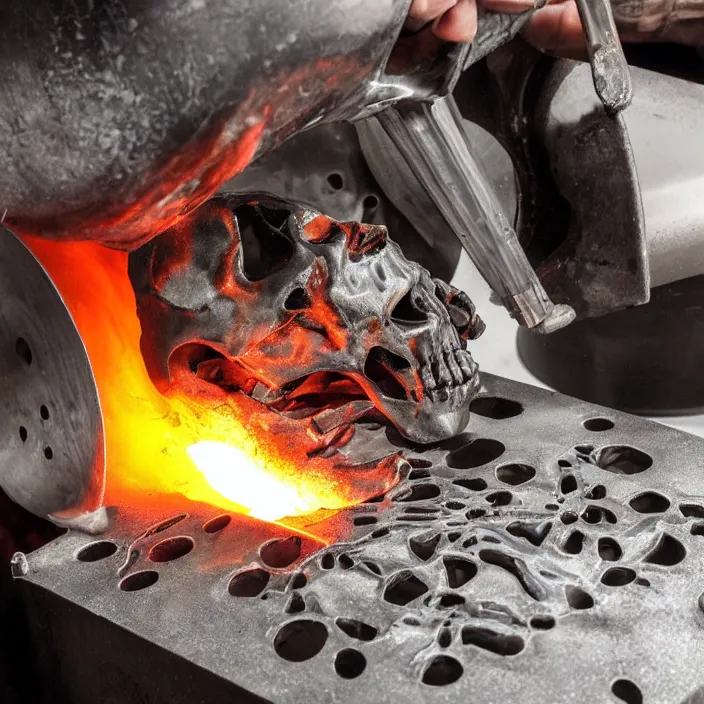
column 305, row 314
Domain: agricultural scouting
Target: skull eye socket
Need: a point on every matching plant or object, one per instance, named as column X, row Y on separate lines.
column 266, row 244
column 276, row 217
column 409, row 310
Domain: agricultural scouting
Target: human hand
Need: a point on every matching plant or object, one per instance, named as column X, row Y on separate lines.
column 556, row 27
column 456, row 20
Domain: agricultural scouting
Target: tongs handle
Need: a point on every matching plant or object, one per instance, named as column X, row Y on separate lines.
column 427, row 130
column 612, row 79
column 431, row 138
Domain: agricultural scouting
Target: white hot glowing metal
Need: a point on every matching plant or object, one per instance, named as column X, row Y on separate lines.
column 242, row 480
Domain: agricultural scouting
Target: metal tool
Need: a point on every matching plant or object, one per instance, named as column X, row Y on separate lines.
column 426, row 128
column 52, row 454
column 282, row 69
column 612, row 79
column 431, row 138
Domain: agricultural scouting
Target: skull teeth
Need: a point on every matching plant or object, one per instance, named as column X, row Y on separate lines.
column 453, row 370
column 456, row 395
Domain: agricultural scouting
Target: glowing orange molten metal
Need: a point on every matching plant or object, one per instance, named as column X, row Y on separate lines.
column 210, row 446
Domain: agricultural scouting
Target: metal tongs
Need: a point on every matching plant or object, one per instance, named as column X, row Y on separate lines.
column 418, row 113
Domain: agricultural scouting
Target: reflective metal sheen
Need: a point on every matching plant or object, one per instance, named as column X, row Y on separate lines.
column 552, row 554
column 52, row 456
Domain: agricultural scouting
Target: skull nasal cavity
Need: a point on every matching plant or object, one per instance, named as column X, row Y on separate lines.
column 381, row 368
column 298, row 299
column 409, row 310
column 266, row 243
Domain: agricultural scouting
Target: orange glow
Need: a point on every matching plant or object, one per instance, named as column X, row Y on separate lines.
column 219, row 448
column 230, row 471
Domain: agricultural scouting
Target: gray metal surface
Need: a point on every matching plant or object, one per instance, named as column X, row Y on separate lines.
column 666, row 129
column 602, row 265
column 568, row 156
column 402, row 188
column 52, row 455
column 122, row 116
column 552, row 554
column 117, row 117
column 612, row 80
column 432, row 139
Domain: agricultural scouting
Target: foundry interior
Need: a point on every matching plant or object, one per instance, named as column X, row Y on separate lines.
column 351, row 351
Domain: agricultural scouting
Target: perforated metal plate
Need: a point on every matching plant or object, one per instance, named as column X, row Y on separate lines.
column 554, row 553
column 52, row 457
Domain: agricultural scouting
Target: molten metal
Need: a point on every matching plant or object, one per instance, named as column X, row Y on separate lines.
column 211, row 446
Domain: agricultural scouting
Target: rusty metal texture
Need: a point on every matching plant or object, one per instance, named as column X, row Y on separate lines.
column 553, row 553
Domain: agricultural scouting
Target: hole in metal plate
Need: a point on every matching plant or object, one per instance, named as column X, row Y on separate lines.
column 668, row 552
column 424, row 547
column 515, row 474
column 496, row 408
column 404, row 588
column 542, row 623
column 442, row 670
column 371, row 202
column 282, row 552
column 23, row 350
column 627, row 691
column 171, row 549
column 499, row 643
column 139, row 580
column 621, row 459
column 420, row 492
column 598, row 425
column 215, row 525
column 618, row 577
column 476, row 484
column 96, row 551
column 574, row 543
column 356, row 629
column 475, row 454
column 300, row 640
column 350, row 663
column 609, row 549
column 458, row 571
column 249, row 583
column 336, row 181
column 692, row 510
column 568, row 484
column 649, row 502
column 578, row 599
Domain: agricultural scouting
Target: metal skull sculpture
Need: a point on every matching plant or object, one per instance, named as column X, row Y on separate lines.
column 300, row 311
